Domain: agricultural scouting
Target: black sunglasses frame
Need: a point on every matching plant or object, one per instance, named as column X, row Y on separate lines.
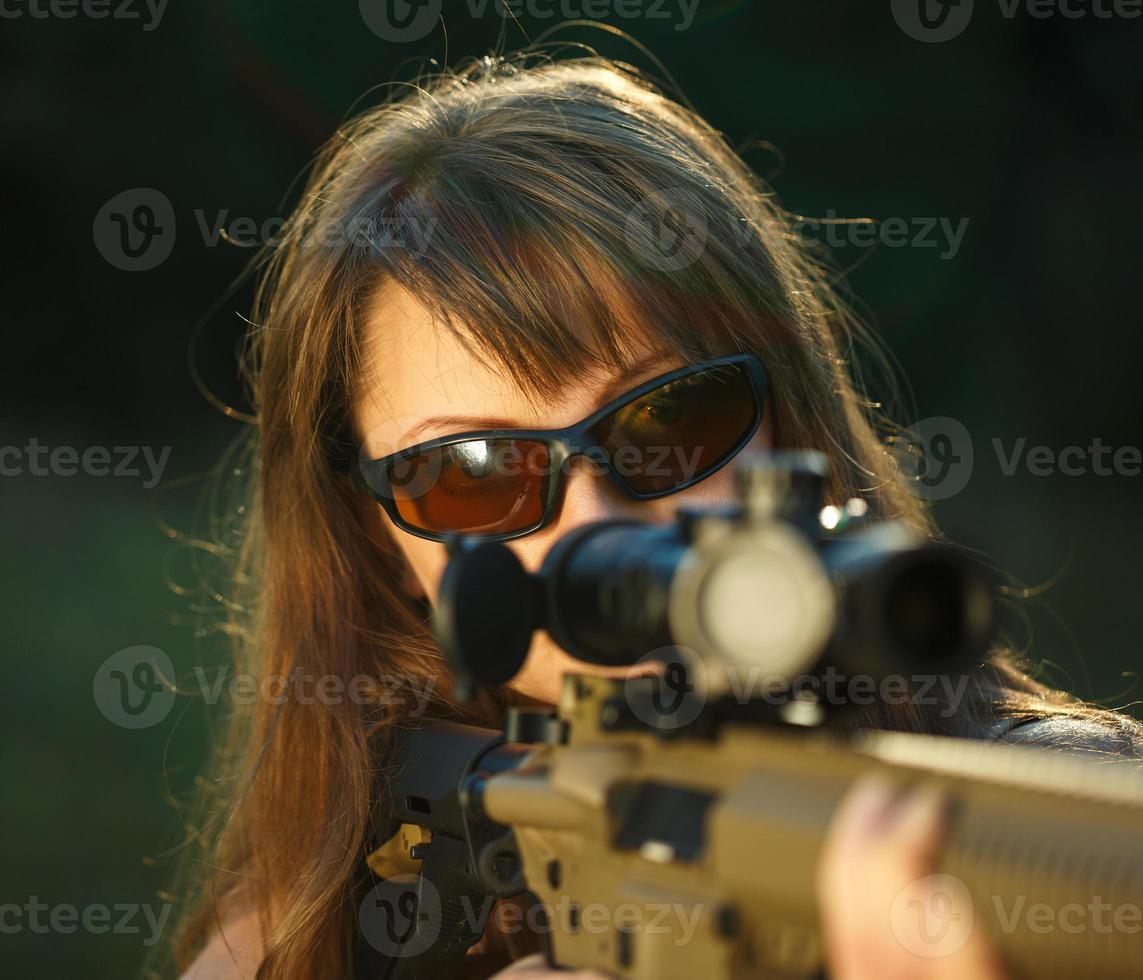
column 371, row 477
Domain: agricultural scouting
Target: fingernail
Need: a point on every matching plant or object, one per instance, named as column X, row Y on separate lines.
column 922, row 814
column 873, row 800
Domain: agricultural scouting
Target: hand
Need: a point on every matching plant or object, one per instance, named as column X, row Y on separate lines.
column 886, row 915
column 507, row 939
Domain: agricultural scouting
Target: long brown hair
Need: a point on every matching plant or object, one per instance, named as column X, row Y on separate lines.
column 501, row 196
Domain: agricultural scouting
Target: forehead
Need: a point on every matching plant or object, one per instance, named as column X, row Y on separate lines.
column 415, row 368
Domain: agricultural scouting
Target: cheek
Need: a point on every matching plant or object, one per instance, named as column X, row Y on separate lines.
column 532, row 549
column 427, row 560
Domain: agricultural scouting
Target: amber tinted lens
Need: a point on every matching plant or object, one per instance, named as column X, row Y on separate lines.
column 678, row 433
column 481, row 486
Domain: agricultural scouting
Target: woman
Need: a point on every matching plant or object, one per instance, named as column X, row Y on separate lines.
column 513, row 247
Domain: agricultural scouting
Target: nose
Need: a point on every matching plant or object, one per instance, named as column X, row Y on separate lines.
column 588, row 497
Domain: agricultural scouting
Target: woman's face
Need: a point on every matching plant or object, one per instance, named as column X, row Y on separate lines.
column 421, row 384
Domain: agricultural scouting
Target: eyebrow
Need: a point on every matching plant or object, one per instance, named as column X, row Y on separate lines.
column 629, row 377
column 459, row 423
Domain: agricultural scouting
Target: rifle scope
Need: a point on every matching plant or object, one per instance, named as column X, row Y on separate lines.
column 775, row 584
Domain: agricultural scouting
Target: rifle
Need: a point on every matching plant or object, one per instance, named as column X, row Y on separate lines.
column 668, row 825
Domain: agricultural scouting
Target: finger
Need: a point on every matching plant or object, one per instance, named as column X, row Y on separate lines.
column 917, row 827
column 843, row 874
column 932, row 918
column 864, row 808
column 885, row 913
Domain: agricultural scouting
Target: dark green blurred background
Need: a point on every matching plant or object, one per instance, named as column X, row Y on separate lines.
column 1027, row 127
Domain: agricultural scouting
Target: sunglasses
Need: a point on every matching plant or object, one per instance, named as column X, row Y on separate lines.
column 657, row 439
